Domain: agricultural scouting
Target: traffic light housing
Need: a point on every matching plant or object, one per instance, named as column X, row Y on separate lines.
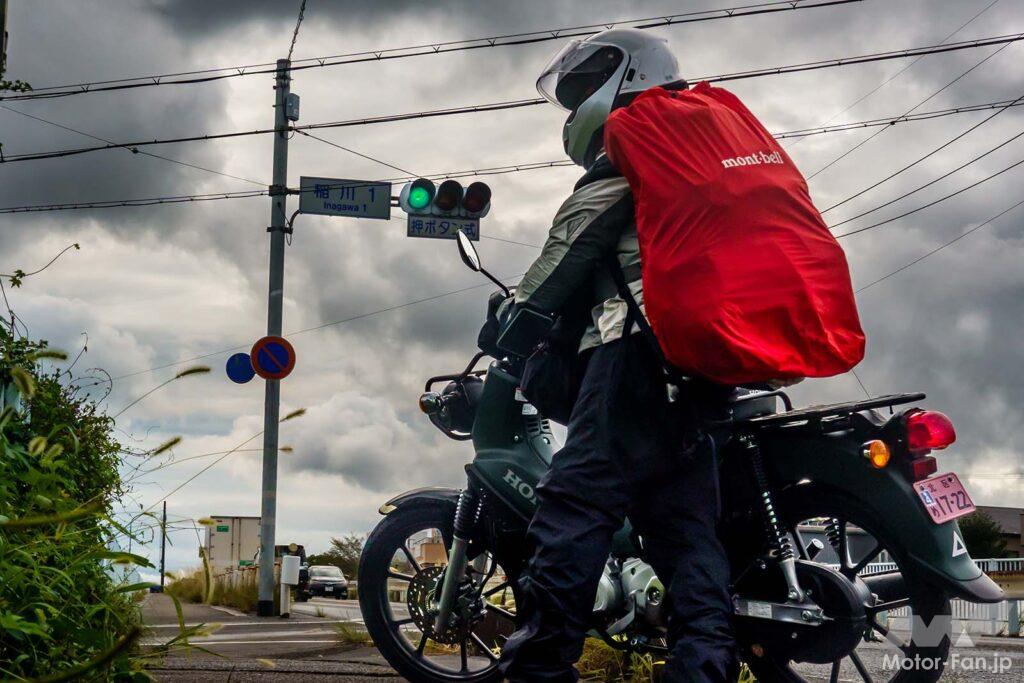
column 422, row 198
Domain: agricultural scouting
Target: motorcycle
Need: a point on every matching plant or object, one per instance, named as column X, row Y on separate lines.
column 835, row 523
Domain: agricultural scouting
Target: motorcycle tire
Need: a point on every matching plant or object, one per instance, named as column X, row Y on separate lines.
column 388, row 632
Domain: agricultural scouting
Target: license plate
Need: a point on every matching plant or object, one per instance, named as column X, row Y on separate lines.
column 944, row 497
column 328, row 589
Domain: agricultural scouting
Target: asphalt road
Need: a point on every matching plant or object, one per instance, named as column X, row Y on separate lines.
column 307, row 648
column 990, row 663
column 301, row 648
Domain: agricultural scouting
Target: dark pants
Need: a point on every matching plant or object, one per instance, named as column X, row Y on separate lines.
column 622, row 456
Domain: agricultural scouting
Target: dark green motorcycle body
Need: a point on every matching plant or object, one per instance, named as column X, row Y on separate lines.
column 514, row 447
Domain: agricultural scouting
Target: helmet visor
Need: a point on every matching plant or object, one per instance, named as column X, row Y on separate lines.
column 577, row 72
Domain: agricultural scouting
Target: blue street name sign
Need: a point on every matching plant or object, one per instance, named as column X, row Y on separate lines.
column 339, row 197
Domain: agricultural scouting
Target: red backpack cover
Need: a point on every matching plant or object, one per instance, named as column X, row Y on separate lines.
column 742, row 280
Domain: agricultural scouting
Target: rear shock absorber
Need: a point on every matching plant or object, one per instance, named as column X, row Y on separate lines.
column 834, row 534
column 778, row 540
column 466, row 513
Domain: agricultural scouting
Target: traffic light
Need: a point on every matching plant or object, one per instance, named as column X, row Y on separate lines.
column 422, row 198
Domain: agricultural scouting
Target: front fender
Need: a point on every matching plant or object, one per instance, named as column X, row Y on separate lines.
column 836, row 462
column 426, row 493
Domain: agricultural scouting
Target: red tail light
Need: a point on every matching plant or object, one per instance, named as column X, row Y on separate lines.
column 929, row 430
column 922, row 468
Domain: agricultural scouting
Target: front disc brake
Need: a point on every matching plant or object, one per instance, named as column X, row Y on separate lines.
column 422, row 602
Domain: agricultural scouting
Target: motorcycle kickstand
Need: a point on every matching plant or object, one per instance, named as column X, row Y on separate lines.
column 465, row 517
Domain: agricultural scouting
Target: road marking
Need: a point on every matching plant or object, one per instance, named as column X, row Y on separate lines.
column 229, row 624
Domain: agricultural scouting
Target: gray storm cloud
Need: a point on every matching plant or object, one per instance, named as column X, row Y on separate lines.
column 158, row 284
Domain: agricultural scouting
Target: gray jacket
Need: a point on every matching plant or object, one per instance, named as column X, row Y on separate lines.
column 595, row 221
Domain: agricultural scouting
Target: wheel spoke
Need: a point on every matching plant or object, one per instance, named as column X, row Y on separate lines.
column 800, row 545
column 409, row 556
column 500, row 611
column 888, row 606
column 483, row 646
column 866, row 560
column 399, row 575
column 402, row 622
column 422, row 645
column 844, row 547
column 904, row 647
column 834, row 676
column 492, row 591
column 861, row 669
column 463, row 658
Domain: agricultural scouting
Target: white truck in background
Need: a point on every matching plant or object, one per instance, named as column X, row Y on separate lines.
column 231, row 542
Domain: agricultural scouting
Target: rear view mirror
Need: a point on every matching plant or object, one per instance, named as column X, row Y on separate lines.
column 468, row 252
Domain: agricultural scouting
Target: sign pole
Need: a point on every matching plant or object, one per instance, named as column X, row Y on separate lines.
column 272, row 398
column 163, row 547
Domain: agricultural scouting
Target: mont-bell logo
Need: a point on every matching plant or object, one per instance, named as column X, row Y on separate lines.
column 755, row 159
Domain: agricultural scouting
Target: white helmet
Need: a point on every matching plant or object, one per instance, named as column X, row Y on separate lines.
column 588, row 76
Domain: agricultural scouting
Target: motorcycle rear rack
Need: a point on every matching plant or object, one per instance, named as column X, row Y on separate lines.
column 813, row 415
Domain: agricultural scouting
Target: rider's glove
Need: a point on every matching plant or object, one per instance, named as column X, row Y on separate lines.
column 498, row 306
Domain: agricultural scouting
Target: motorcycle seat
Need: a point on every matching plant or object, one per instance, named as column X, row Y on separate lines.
column 746, row 404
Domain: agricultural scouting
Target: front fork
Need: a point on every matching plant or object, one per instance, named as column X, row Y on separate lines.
column 466, row 513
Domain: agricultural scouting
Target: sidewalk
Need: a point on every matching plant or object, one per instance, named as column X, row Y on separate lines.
column 303, row 647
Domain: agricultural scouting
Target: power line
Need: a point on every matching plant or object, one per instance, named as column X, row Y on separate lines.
column 902, row 118
column 864, row 59
column 499, row 170
column 245, row 194
column 133, row 151
column 219, row 73
column 496, row 106
column 901, row 71
column 352, row 151
column 929, row 183
column 909, row 111
column 939, row 248
column 295, row 34
column 1011, row 103
column 932, row 203
column 349, row 319
column 515, row 104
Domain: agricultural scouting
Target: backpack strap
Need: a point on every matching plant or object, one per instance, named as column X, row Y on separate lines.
column 635, row 315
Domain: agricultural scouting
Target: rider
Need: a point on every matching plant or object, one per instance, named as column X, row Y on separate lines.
column 623, row 454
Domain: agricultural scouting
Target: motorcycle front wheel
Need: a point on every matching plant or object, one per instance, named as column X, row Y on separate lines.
column 402, row 565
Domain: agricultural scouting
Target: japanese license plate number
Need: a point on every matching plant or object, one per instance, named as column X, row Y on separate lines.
column 944, row 497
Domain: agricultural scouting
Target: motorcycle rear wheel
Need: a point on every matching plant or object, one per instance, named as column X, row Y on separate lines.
column 398, row 630
column 903, row 590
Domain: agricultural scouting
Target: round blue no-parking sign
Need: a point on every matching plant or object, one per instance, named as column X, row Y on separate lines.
column 273, row 357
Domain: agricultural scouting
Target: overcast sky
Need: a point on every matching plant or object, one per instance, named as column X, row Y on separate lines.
column 154, row 285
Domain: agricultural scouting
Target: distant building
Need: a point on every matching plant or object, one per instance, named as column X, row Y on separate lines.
column 1011, row 523
column 427, row 548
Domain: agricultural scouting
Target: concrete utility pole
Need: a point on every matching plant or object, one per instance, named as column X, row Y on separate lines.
column 163, row 547
column 272, row 401
column 3, row 35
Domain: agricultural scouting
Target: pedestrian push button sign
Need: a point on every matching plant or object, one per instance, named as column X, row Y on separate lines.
column 273, row 357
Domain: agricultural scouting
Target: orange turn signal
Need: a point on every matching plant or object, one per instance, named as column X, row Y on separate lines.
column 877, row 453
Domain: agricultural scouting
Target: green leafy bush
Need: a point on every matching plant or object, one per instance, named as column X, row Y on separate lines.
column 63, row 613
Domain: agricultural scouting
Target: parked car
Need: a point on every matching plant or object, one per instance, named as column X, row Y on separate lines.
column 327, row 581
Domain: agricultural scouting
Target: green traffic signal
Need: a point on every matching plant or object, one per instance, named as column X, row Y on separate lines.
column 419, row 198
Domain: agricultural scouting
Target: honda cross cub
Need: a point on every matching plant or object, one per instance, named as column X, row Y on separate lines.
column 437, row 579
